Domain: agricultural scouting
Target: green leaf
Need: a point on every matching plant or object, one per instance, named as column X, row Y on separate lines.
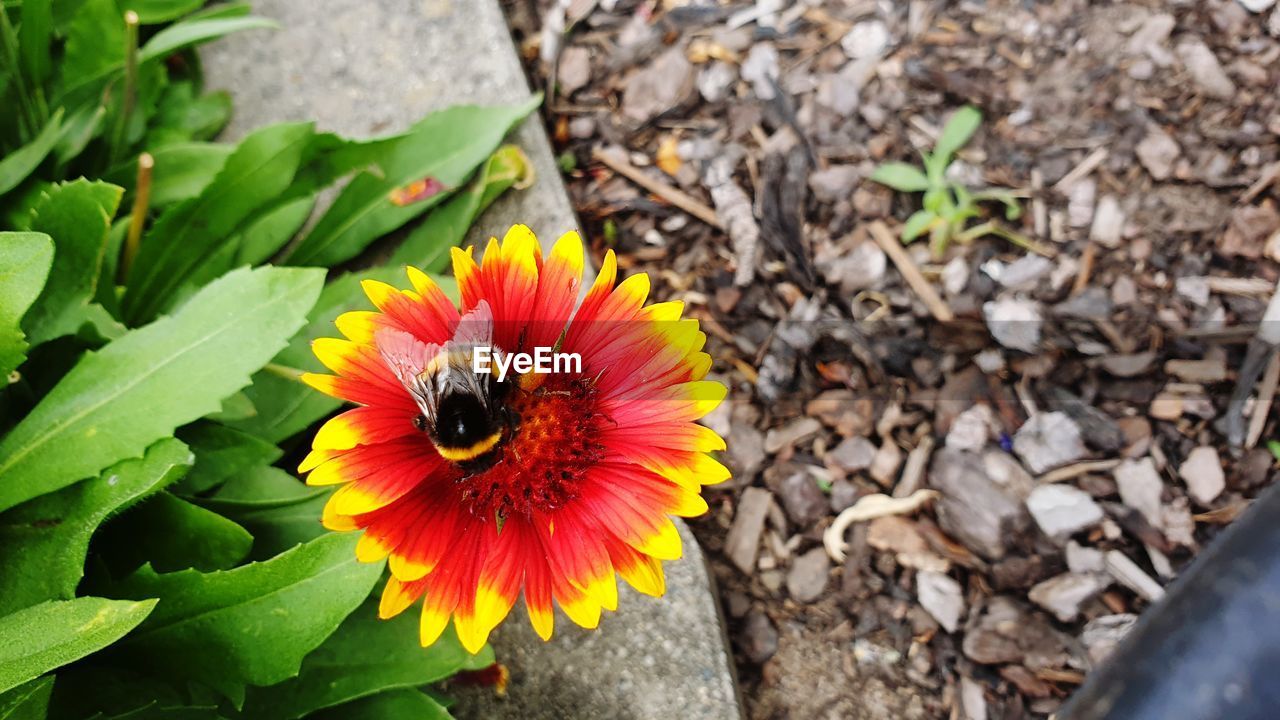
column 27, row 702
column 265, row 236
column 34, row 37
column 77, row 215
column 102, row 691
column 43, row 542
column 446, row 146
column 151, row 12
column 173, row 534
column 252, row 625
column 182, row 170
column 427, row 247
column 193, row 32
column 41, row 638
column 917, row 224
column 19, row 164
column 364, row 657
column 77, row 131
column 182, row 116
column 25, row 259
column 222, row 452
column 137, row 389
column 392, row 705
column 188, row 234
column 261, row 488
column 275, row 507
column 234, row 407
column 962, row 125
column 901, row 177
column 95, row 43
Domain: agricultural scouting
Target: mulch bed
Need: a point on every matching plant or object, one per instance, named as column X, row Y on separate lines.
column 1059, row 445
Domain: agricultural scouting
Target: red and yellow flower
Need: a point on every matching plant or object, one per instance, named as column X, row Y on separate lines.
column 582, row 487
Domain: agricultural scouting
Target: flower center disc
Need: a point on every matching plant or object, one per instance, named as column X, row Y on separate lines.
column 550, row 447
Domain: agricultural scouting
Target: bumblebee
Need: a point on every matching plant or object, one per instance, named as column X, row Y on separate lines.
column 462, row 413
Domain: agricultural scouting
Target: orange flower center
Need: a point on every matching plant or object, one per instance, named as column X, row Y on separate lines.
column 552, row 443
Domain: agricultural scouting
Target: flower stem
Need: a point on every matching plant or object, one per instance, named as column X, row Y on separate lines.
column 28, row 123
column 138, row 216
column 284, row 371
column 120, row 132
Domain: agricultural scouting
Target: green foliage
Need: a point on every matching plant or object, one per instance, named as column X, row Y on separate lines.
column 366, row 657
column 25, row 259
column 949, row 206
column 43, row 543
column 49, row 635
column 251, row 625
column 27, row 702
column 446, row 146
column 138, row 389
column 158, row 557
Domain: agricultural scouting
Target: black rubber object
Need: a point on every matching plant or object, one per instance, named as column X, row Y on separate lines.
column 1210, row 650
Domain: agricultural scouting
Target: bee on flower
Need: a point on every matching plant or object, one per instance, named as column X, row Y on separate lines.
column 520, row 443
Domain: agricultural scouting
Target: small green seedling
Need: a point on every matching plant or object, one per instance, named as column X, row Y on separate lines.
column 948, row 206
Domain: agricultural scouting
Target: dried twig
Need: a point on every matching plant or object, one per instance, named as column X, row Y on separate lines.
column 1074, row 471
column 1081, row 171
column 667, row 192
column 1262, row 406
column 887, row 242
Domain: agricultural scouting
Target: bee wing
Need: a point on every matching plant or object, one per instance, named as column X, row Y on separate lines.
column 475, row 328
column 408, row 357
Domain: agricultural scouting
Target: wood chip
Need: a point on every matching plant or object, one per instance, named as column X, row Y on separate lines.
column 870, row 507
column 1127, row 573
column 913, row 472
column 922, row 287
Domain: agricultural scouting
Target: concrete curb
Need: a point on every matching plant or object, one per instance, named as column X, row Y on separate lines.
column 371, row 67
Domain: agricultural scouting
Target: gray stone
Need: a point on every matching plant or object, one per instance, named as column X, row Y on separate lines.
column 868, row 38
column 1047, row 440
column 1014, row 322
column 1202, row 471
column 1102, row 634
column 942, row 597
column 1063, row 595
column 1158, row 152
column 1062, row 510
column 801, row 498
column 1108, row 223
column 852, row 454
column 1205, row 70
column 365, row 68
column 808, row 575
column 575, row 69
column 743, row 541
column 759, row 638
column 1140, row 488
column 659, row 87
column 973, row 508
column 834, row 183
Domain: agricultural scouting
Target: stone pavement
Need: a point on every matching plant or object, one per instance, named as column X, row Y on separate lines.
column 372, row 67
